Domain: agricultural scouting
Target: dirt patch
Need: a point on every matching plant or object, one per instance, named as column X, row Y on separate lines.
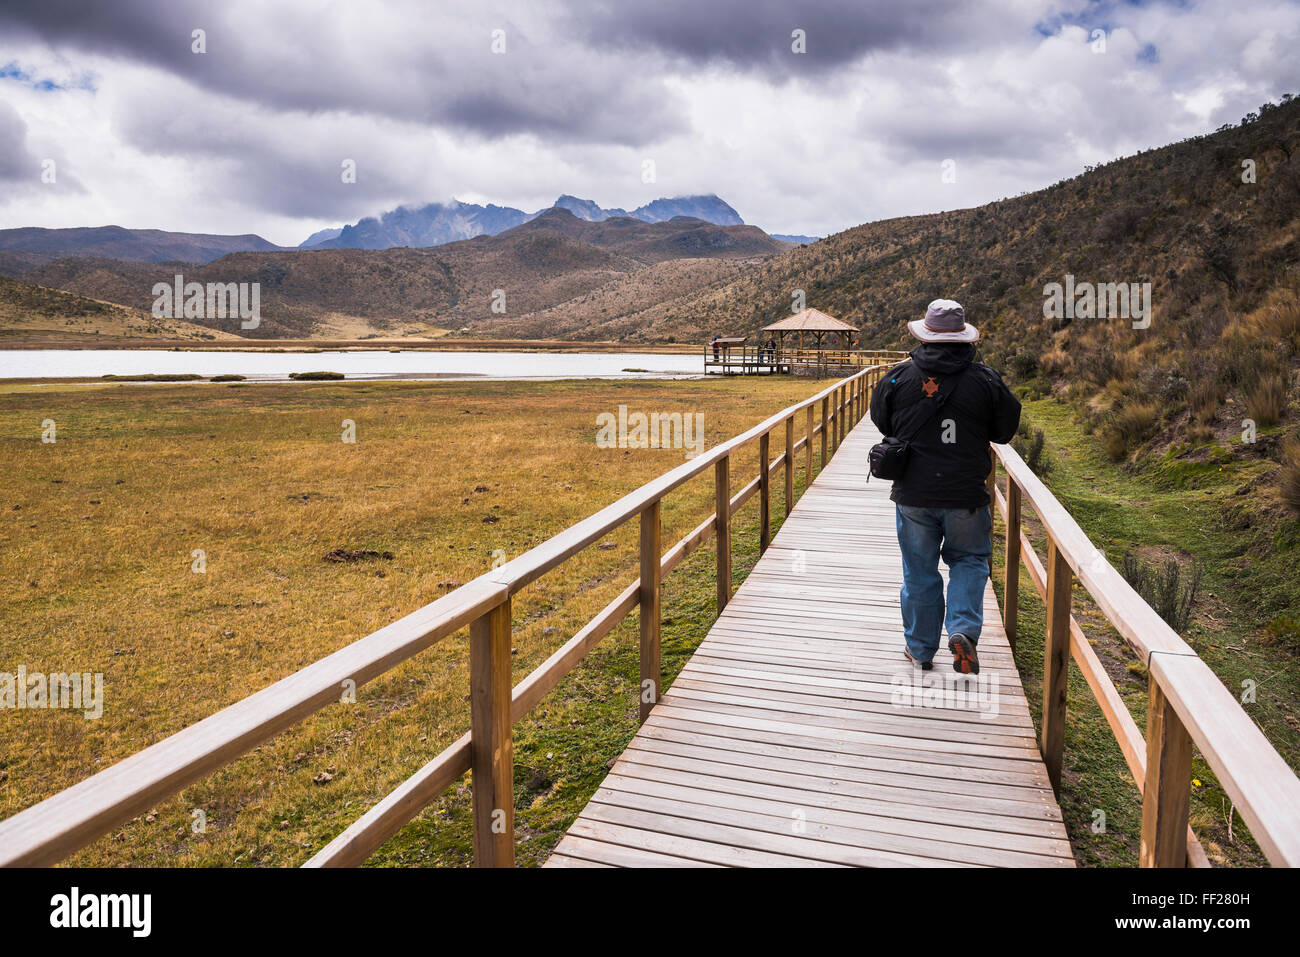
column 356, row 555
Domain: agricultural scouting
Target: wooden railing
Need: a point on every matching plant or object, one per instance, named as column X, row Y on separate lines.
column 779, row 359
column 839, row 358
column 56, row 827
column 1187, row 704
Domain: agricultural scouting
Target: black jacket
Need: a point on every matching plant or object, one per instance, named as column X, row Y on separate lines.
column 945, row 474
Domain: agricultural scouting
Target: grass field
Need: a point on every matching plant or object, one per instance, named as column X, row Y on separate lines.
column 103, row 530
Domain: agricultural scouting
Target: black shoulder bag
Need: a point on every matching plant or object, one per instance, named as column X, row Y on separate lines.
column 888, row 459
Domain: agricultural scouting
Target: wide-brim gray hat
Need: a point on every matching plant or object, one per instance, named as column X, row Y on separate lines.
column 945, row 321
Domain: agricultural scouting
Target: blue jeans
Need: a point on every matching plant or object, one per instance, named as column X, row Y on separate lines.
column 963, row 537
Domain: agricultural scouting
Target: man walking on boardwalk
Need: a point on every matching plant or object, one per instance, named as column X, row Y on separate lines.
column 948, row 408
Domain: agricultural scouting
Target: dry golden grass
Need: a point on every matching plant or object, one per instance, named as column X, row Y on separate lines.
column 100, row 528
column 1266, row 401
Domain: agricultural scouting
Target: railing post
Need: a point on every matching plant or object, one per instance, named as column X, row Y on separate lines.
column 789, row 464
column 764, row 493
column 1165, row 797
column 492, row 741
column 1011, row 585
column 835, row 420
column 648, row 601
column 826, row 401
column 1056, row 660
column 808, row 452
column 991, row 481
column 722, row 505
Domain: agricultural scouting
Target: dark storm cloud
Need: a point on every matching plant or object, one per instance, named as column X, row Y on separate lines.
column 757, row 34
column 412, row 61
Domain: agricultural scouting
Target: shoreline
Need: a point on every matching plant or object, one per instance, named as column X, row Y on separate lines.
column 349, row 345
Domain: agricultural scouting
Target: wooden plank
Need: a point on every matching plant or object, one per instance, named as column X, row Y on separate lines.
column 491, row 741
column 817, row 823
column 583, row 852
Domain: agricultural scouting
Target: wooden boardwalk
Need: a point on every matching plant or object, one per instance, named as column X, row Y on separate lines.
column 798, row 736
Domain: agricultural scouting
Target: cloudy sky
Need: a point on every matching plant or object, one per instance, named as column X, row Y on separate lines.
column 251, row 135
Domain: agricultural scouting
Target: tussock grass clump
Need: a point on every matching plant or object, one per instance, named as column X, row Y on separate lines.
column 1266, row 400
column 1131, row 426
column 1169, row 589
column 1279, row 317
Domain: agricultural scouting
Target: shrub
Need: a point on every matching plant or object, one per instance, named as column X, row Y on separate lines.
column 1024, row 365
column 1266, row 401
column 227, row 378
column 1030, row 444
column 1166, row 589
column 316, row 375
column 155, row 377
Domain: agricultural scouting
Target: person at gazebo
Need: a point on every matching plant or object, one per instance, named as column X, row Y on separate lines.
column 714, row 343
column 769, row 349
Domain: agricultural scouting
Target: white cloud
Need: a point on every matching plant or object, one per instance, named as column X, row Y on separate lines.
column 250, row 139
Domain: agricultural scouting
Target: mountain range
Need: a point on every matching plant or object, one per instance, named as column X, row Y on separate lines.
column 418, row 227
column 554, row 257
column 437, row 223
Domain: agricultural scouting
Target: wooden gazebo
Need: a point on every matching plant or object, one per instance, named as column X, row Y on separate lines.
column 814, row 325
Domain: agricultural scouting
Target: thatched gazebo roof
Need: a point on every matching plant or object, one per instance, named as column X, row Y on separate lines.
column 810, row 320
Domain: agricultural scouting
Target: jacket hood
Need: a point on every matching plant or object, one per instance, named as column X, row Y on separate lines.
column 943, row 357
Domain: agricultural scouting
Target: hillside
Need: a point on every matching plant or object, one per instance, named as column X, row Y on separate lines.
column 554, row 258
column 33, row 245
column 35, row 312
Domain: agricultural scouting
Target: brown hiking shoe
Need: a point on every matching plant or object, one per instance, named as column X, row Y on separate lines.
column 964, row 659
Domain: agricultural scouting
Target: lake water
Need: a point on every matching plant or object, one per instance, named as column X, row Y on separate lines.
column 70, row 363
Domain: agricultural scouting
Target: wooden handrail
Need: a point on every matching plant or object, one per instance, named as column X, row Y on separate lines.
column 1131, row 743
column 56, row 827
column 1188, row 703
